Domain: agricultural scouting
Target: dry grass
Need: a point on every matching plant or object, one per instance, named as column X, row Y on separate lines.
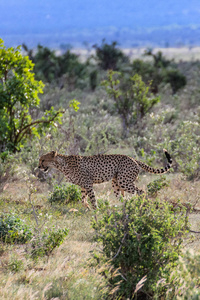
column 66, row 273
column 178, row 54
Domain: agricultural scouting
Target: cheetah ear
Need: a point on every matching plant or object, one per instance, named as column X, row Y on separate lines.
column 54, row 153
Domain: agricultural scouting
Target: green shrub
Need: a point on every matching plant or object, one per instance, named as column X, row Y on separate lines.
column 156, row 185
column 15, row 265
column 8, row 166
column 44, row 244
column 132, row 97
column 65, row 194
column 184, row 281
column 186, row 148
column 109, row 57
column 138, row 239
column 18, row 99
column 93, row 79
column 175, row 78
column 14, row 230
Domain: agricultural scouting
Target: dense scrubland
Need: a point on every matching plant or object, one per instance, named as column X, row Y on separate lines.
column 143, row 247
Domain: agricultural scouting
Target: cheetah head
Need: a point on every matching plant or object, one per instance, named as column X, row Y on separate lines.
column 47, row 160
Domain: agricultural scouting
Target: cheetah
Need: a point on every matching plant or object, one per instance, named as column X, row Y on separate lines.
column 88, row 170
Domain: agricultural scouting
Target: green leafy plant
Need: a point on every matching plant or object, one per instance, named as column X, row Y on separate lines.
column 186, row 148
column 109, row 57
column 18, row 98
column 45, row 243
column 156, row 185
column 175, row 78
column 65, row 194
column 15, row 265
column 159, row 71
column 50, row 67
column 14, row 230
column 93, row 76
column 184, row 280
column 139, row 238
column 132, row 97
column 74, row 104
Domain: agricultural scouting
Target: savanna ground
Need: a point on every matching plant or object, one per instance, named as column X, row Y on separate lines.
column 67, row 272
column 182, row 53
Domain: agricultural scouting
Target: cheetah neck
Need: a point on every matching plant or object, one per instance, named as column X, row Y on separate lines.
column 60, row 163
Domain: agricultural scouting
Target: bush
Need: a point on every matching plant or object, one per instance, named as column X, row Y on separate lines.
column 15, row 265
column 14, row 230
column 109, row 57
column 132, row 97
column 158, row 71
column 138, row 239
column 156, row 185
column 185, row 147
column 184, row 281
column 65, row 194
column 44, row 244
column 176, row 79
column 52, row 68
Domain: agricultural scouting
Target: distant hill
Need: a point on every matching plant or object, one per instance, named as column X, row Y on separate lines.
column 130, row 22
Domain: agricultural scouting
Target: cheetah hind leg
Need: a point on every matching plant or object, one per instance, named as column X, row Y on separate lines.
column 116, row 188
column 84, row 198
column 130, row 187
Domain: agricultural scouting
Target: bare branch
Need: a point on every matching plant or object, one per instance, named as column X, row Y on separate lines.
column 24, row 130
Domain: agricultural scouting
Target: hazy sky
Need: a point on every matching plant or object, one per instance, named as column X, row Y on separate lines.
column 43, row 14
column 55, row 21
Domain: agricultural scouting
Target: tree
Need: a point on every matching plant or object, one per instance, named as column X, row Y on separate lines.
column 50, row 67
column 109, row 57
column 162, row 70
column 46, row 65
column 175, row 78
column 132, row 97
column 159, row 60
column 19, row 99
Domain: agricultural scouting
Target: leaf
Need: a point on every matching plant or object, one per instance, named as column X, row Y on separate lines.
column 74, row 104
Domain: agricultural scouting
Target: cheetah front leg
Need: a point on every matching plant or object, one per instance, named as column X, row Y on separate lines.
column 91, row 195
column 84, row 198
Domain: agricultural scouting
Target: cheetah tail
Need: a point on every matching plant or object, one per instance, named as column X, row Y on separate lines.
column 157, row 171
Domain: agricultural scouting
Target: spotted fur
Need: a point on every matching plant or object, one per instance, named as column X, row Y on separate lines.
column 88, row 170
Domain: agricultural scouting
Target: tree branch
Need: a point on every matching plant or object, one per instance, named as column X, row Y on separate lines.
column 24, row 130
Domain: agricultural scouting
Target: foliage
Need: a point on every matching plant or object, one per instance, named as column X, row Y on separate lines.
column 157, row 185
column 186, row 147
column 175, row 78
column 100, row 138
column 65, row 194
column 159, row 60
column 139, row 239
column 18, row 99
column 74, row 104
column 109, row 57
column 184, row 281
column 49, row 66
column 160, row 71
column 45, row 243
column 93, row 79
column 132, row 97
column 8, row 165
column 14, row 230
column 15, row 265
